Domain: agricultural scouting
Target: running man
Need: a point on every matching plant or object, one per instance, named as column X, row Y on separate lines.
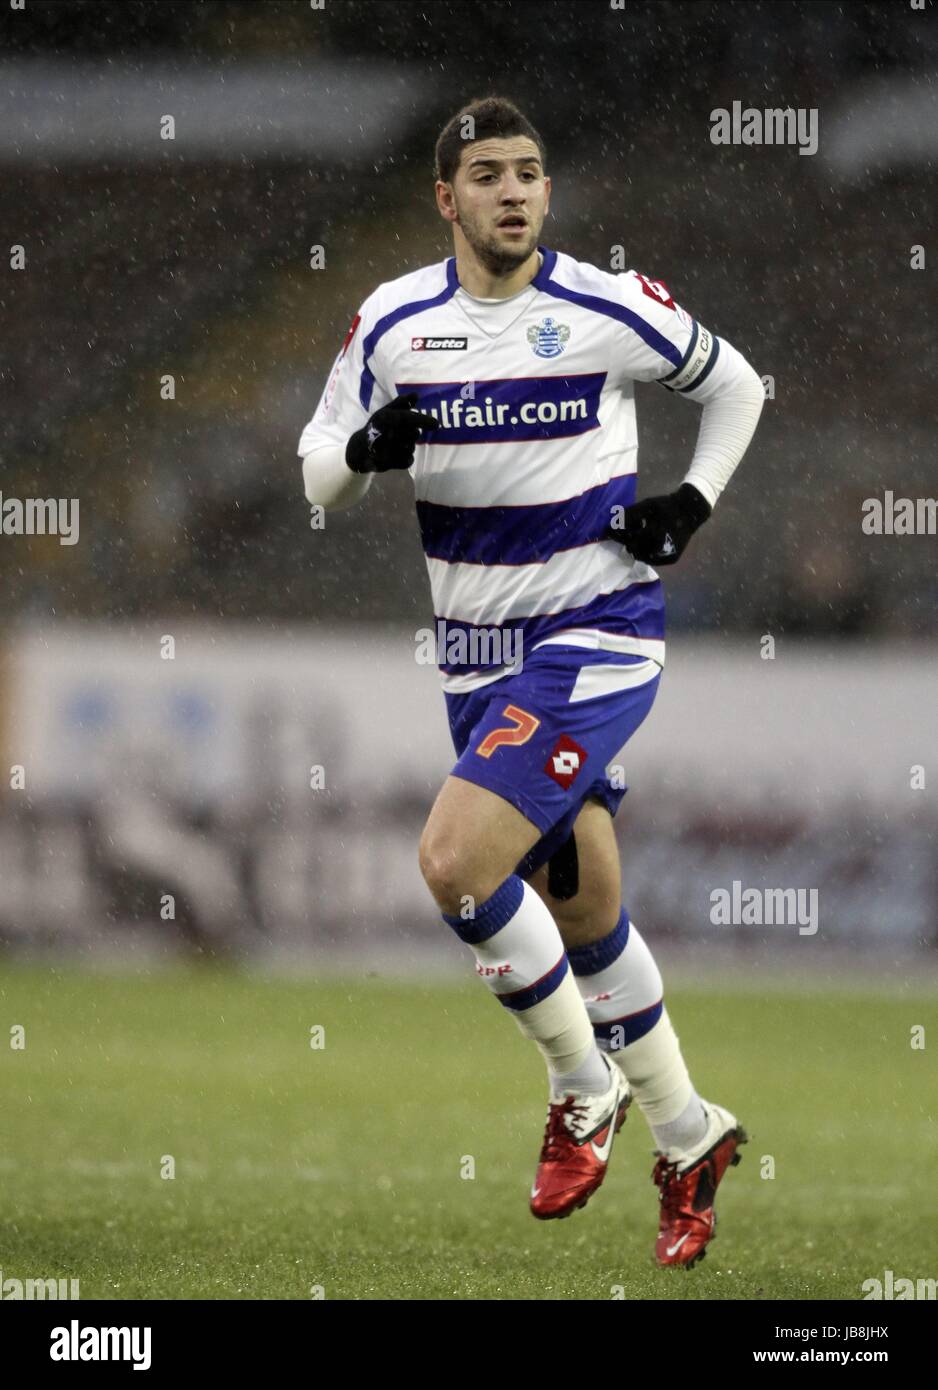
column 502, row 379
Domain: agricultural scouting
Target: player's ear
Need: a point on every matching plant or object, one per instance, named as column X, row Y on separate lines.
column 444, row 200
column 547, row 187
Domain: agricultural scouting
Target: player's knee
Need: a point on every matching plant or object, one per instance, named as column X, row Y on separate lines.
column 451, row 871
column 442, row 868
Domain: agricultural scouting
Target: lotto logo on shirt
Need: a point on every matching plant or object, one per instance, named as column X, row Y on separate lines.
column 565, row 761
column 512, row 410
column 439, row 344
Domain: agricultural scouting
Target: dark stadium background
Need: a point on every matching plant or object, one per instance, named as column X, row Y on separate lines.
column 189, row 779
column 154, row 252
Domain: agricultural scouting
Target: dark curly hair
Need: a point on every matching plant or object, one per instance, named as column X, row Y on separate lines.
column 493, row 117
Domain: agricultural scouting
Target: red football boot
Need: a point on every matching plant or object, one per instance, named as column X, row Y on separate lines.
column 577, row 1143
column 688, row 1186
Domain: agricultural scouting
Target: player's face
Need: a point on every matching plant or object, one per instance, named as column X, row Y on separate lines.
column 500, row 196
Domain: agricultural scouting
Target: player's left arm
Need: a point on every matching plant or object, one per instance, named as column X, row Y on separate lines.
column 665, row 344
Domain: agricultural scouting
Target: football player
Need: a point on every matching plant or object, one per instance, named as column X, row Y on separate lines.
column 502, row 378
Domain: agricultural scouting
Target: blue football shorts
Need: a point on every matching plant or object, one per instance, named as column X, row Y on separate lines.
column 542, row 737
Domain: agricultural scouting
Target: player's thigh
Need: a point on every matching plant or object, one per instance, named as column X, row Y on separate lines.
column 472, row 841
column 593, row 911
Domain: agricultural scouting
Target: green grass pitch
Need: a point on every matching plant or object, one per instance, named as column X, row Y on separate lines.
column 340, row 1167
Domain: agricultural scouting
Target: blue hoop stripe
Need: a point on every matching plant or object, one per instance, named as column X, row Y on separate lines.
column 495, row 913
column 631, row 1027
column 589, row 960
column 541, row 989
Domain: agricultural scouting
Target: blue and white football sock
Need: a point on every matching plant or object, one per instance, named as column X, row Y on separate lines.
column 623, row 992
column 521, row 957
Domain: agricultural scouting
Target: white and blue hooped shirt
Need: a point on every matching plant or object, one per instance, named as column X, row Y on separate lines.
column 537, row 442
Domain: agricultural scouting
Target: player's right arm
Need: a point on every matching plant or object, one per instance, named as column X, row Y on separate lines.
column 327, row 479
column 357, row 428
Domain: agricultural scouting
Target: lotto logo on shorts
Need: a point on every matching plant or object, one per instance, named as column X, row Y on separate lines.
column 565, row 761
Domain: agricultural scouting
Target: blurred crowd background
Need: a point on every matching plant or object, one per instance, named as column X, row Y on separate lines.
column 299, row 127
column 192, row 257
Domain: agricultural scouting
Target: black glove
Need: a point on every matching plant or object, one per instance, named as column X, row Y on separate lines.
column 388, row 439
column 657, row 530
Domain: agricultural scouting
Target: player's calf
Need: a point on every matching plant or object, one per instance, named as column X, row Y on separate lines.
column 520, row 956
